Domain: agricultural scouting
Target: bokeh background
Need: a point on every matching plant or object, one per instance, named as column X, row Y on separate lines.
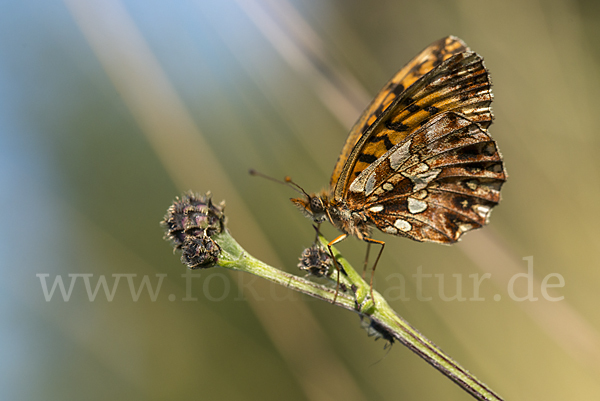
column 111, row 108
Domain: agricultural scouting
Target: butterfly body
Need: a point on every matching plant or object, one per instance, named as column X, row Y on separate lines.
column 419, row 162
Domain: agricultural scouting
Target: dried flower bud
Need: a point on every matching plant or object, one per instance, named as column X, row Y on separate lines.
column 316, row 260
column 199, row 252
column 190, row 222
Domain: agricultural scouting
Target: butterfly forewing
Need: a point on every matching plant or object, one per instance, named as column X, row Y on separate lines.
column 460, row 84
column 427, row 60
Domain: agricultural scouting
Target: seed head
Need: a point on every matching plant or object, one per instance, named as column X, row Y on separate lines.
column 316, row 260
column 190, row 223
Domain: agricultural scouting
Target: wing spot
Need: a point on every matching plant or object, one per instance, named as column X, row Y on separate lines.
column 390, row 230
column 420, row 181
column 370, row 185
column 400, row 155
column 464, row 227
column 472, row 185
column 416, row 206
column 402, row 225
column 413, row 108
column 376, row 208
column 398, row 126
column 387, row 186
column 420, row 168
column 366, row 158
column 379, row 191
column 482, row 210
column 473, row 169
column 431, row 109
column 383, row 138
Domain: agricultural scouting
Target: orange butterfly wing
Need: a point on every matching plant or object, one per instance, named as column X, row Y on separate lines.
column 428, row 59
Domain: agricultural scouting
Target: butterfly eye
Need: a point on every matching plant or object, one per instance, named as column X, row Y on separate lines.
column 317, row 209
column 316, row 205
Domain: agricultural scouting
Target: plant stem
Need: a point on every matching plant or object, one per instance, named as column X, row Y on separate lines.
column 383, row 318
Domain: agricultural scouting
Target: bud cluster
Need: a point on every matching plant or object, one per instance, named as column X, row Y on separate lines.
column 190, row 223
column 316, row 260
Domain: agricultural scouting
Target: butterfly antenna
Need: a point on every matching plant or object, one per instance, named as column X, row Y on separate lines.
column 292, row 184
column 286, row 181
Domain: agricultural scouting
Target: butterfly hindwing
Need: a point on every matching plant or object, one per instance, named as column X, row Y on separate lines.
column 438, row 183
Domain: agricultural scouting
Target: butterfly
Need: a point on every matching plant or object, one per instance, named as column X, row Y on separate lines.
column 419, row 162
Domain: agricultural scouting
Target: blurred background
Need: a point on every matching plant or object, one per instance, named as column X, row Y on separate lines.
column 110, row 109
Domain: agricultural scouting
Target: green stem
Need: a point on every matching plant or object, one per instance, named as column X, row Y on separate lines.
column 387, row 322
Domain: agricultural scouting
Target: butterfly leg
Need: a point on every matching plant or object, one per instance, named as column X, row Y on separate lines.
column 335, row 263
column 370, row 241
column 366, row 260
column 317, row 228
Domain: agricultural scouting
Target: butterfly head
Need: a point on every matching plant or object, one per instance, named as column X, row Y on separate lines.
column 312, row 206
